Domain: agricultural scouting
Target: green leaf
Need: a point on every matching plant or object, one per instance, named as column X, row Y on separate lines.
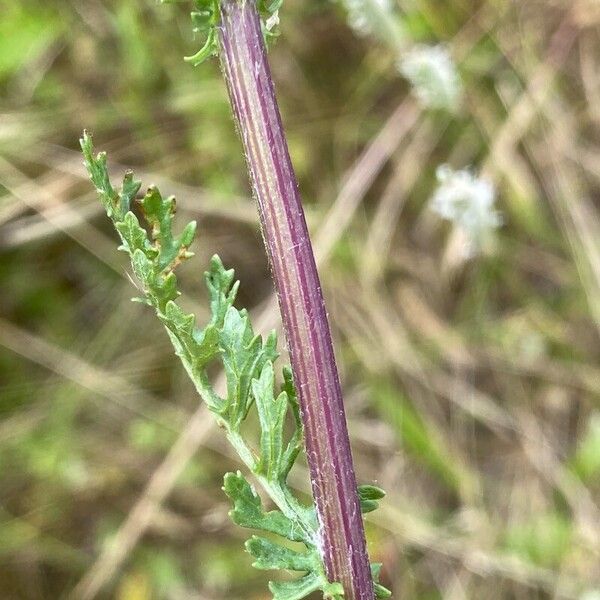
column 221, row 289
column 266, row 6
column 129, row 191
column 269, row 13
column 375, row 571
column 205, row 21
column 98, row 171
column 380, row 590
column 159, row 212
column 243, row 355
column 248, row 364
column 210, row 48
column 187, row 236
column 134, row 236
column 270, row 555
column 143, row 268
column 201, row 20
column 248, row 512
column 294, row 446
column 208, row 344
column 295, row 590
column 182, row 326
column 369, row 496
column 164, row 289
column 334, row 590
column 271, row 414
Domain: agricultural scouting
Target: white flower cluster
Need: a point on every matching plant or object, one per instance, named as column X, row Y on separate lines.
column 433, row 74
column 467, row 201
column 360, row 14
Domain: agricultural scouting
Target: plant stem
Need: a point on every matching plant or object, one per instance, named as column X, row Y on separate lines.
column 248, row 79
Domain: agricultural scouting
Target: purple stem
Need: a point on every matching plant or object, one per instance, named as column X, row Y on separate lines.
column 251, row 92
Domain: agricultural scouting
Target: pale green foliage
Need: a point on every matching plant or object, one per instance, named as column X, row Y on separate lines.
column 247, row 361
column 205, row 20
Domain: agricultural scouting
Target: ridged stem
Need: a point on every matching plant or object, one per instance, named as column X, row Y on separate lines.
column 251, row 92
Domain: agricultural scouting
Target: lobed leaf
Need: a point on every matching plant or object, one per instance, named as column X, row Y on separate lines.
column 243, row 355
column 159, row 213
column 96, row 166
column 134, row 236
column 294, row 446
column 297, row 589
column 248, row 364
column 129, row 191
column 221, row 289
column 271, row 414
column 270, row 555
column 248, row 511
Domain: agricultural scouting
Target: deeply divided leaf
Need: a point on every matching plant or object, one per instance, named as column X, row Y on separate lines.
column 295, row 590
column 243, row 355
column 248, row 511
column 247, row 361
column 294, row 446
column 270, row 555
column 271, row 413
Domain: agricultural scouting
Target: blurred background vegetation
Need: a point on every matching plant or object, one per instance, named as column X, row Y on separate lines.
column 472, row 386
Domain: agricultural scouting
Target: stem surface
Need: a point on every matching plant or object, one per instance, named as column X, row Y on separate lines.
column 251, row 92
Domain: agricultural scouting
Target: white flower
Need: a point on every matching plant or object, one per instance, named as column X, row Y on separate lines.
column 467, row 201
column 360, row 14
column 432, row 73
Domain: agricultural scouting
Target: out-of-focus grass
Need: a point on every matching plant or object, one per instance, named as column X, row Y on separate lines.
column 472, row 388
